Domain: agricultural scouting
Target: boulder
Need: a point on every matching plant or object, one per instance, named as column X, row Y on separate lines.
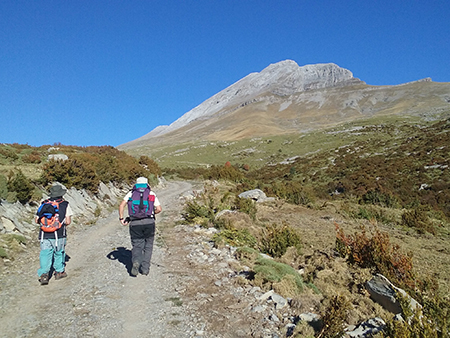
column 383, row 292
column 255, row 194
column 58, row 157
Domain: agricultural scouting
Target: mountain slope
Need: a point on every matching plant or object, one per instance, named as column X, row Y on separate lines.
column 285, row 98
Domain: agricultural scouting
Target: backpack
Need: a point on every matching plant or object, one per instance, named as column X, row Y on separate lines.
column 141, row 202
column 48, row 214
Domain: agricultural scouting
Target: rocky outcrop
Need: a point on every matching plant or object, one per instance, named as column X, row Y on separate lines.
column 18, row 218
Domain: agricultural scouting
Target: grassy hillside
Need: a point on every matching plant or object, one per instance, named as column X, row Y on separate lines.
column 262, row 151
column 391, row 163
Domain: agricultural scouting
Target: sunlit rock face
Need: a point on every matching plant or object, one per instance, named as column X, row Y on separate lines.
column 282, row 78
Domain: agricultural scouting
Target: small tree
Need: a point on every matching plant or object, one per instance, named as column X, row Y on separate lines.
column 21, row 185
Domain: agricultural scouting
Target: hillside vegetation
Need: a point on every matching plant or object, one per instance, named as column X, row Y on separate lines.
column 392, row 177
column 395, row 163
column 25, row 170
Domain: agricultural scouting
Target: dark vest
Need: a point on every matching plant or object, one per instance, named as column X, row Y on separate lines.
column 61, row 232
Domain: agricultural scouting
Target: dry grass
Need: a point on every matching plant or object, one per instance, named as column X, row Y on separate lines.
column 332, row 275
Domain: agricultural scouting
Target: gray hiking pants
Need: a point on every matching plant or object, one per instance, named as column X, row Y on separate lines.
column 142, row 233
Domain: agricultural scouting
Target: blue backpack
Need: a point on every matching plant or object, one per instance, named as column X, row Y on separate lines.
column 141, row 203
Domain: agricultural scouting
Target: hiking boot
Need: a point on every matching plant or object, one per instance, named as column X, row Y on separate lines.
column 59, row 275
column 44, row 279
column 135, row 269
column 144, row 272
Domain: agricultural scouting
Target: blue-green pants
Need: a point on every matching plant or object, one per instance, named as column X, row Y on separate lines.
column 52, row 253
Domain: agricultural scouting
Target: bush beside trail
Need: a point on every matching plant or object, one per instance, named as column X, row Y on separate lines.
column 84, row 168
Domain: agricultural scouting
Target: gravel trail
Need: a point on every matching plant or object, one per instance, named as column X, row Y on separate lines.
column 99, row 298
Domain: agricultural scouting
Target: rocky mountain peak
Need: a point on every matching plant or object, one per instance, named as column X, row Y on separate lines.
column 287, row 77
column 282, row 78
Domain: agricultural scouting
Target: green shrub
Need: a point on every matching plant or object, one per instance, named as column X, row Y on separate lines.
column 193, row 211
column 235, row 237
column 11, row 197
column 334, row 317
column 373, row 213
column 277, row 238
column 8, row 152
column 3, row 253
column 245, row 253
column 3, row 187
column 419, row 324
column 152, row 180
column 418, row 219
column 21, row 185
column 224, row 173
column 437, row 311
column 150, row 165
column 97, row 212
column 269, row 271
column 9, row 238
column 77, row 172
column 10, row 243
column 246, row 205
column 376, row 197
column 215, row 172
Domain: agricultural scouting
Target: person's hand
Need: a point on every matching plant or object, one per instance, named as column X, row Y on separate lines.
column 124, row 221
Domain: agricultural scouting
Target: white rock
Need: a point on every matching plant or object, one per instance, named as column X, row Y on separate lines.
column 58, row 157
column 8, row 224
column 279, row 301
column 267, row 295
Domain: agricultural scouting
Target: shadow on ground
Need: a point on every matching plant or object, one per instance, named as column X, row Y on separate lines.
column 122, row 255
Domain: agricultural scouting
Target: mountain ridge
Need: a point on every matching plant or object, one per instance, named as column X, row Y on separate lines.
column 289, row 99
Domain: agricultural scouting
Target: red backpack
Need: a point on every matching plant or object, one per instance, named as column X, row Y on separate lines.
column 48, row 214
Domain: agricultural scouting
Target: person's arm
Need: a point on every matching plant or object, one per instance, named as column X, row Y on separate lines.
column 68, row 217
column 157, row 206
column 121, row 212
column 67, row 220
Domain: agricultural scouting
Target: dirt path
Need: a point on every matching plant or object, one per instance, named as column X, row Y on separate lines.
column 99, row 298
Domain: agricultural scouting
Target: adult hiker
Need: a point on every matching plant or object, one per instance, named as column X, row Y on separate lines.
column 142, row 206
column 53, row 215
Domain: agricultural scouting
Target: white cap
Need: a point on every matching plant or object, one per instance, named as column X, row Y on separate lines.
column 142, row 180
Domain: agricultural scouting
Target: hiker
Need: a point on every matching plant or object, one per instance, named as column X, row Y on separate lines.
column 53, row 216
column 142, row 207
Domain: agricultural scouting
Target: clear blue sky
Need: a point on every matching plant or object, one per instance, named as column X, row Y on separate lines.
column 97, row 72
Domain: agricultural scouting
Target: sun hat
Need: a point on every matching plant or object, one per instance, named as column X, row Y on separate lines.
column 142, row 180
column 57, row 191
